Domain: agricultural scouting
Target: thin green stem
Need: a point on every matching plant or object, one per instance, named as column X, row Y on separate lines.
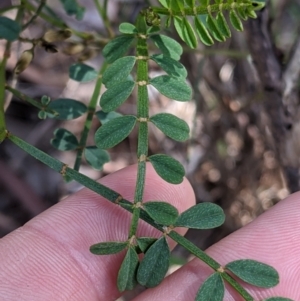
column 88, row 121
column 6, row 9
column 103, row 14
column 36, row 14
column 143, row 116
column 30, row 100
column 117, row 199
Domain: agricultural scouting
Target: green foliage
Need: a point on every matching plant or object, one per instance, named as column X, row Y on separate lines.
column 82, row 73
column 118, row 71
column 96, row 157
column 155, row 264
column 127, row 273
column 116, row 94
column 254, row 272
column 9, row 29
column 167, row 168
column 66, row 108
column 73, row 8
column 111, row 247
column 201, row 216
column 174, row 88
column 212, row 289
column 163, row 213
column 171, row 126
column 114, row 131
column 205, row 20
column 64, row 140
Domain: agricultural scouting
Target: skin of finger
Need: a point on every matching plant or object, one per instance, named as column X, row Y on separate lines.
column 49, row 258
column 273, row 238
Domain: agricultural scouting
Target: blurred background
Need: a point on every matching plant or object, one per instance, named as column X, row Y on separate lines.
column 232, row 156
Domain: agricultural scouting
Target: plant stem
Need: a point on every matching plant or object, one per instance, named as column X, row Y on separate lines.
column 103, row 14
column 29, row 99
column 4, row 10
column 143, row 116
column 38, row 11
column 117, row 199
column 2, row 98
column 88, row 121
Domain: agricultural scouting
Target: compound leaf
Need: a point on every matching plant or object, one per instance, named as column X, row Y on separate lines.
column 82, row 72
column 9, row 29
column 168, row 46
column 254, row 272
column 118, row 71
column 169, row 65
column 171, row 126
column 110, row 247
column 174, row 88
column 113, row 97
column 201, row 216
column 212, row 289
column 127, row 273
column 161, row 212
column 114, row 131
column 167, row 168
column 64, row 140
column 155, row 264
column 66, row 108
column 117, row 47
column 96, row 157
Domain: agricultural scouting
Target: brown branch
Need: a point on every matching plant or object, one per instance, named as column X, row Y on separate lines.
column 270, row 75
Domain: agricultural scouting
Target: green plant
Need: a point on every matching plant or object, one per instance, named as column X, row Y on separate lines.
column 205, row 19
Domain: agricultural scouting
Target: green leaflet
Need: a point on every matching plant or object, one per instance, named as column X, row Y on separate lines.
column 168, row 168
column 176, row 5
column 144, row 243
column 73, row 8
column 96, row 157
column 118, row 71
column 64, row 140
column 155, row 264
column 114, row 131
column 222, row 25
column 66, row 108
column 127, row 28
column 165, row 3
column 242, row 12
column 82, row 73
column 113, row 97
column 190, row 3
column 235, row 20
column 189, row 34
column 105, row 117
column 9, row 29
column 174, row 88
column 169, row 65
column 212, row 26
column 161, row 212
column 254, row 272
column 117, row 47
column 171, row 126
column 201, row 216
column 212, row 289
column 127, row 273
column 111, row 247
column 203, row 33
column 168, row 46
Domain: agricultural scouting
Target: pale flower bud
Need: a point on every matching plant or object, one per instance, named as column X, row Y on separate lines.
column 24, row 60
column 57, row 35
